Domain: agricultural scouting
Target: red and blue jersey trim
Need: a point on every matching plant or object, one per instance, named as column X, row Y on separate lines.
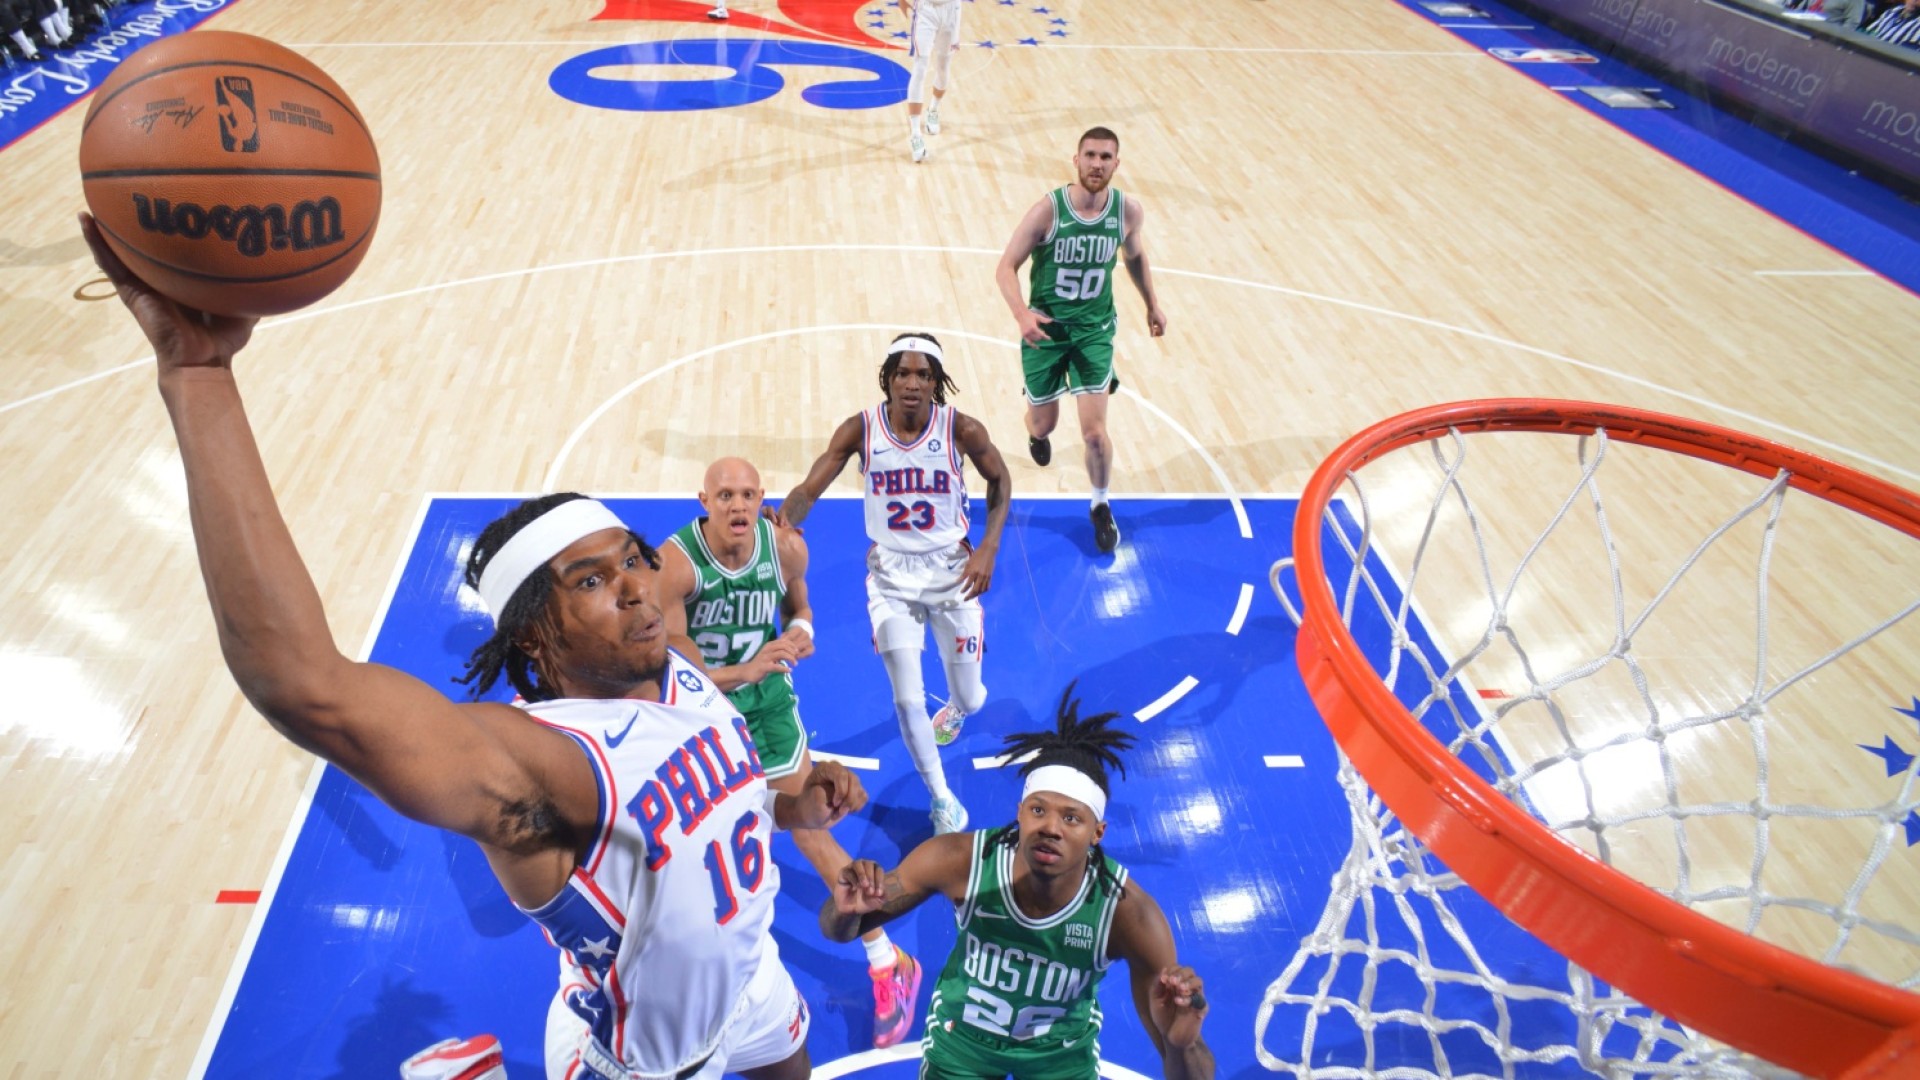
column 604, row 791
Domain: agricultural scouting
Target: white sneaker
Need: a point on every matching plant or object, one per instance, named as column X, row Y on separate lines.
column 932, row 121
column 718, row 14
column 478, row 1058
column 948, row 815
column 919, row 147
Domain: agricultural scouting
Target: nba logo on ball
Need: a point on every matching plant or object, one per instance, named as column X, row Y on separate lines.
column 230, row 173
column 239, row 124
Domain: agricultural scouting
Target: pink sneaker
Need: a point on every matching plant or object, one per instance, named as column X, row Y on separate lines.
column 478, row 1058
column 894, row 994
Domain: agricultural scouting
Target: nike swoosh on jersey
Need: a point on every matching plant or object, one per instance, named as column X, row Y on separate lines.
column 615, row 740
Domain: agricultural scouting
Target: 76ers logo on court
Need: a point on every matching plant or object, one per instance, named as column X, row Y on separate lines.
column 239, row 124
column 826, row 34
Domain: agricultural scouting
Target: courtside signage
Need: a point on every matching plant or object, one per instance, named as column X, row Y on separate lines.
column 43, row 88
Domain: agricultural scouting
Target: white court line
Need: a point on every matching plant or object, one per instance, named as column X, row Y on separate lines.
column 1267, row 50
column 1285, row 761
column 1165, row 701
column 1003, row 760
column 850, row 761
column 1240, row 610
column 1419, row 320
column 770, row 249
column 1226, row 485
column 281, row 858
column 605, row 43
column 552, row 480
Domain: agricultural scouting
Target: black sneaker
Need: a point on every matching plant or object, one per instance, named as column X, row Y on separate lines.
column 1041, row 449
column 1106, row 535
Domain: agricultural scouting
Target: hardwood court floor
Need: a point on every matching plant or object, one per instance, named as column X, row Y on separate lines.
column 1351, row 212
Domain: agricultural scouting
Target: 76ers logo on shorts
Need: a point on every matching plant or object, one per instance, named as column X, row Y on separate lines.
column 239, row 123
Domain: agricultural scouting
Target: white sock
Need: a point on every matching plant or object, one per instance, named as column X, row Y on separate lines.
column 916, row 730
column 914, row 122
column 1099, row 496
column 879, row 952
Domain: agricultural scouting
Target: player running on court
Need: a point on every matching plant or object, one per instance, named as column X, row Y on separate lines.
column 933, row 35
column 1042, row 913
column 730, row 580
column 923, row 573
column 1067, row 323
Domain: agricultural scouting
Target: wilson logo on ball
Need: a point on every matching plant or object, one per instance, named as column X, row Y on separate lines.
column 239, row 123
column 253, row 230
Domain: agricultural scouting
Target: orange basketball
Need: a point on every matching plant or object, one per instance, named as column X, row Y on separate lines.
column 230, row 173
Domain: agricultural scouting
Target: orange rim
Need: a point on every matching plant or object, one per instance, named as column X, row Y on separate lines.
column 1735, row 988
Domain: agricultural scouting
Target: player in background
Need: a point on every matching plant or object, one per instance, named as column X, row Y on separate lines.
column 1074, row 236
column 923, row 573
column 737, row 586
column 934, row 36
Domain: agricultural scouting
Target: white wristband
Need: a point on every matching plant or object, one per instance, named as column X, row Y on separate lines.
column 802, row 624
column 773, row 812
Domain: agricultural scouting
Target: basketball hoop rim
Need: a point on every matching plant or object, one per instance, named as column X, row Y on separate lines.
column 1733, row 987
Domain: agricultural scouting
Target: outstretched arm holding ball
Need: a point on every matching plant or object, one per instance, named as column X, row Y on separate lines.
column 183, row 338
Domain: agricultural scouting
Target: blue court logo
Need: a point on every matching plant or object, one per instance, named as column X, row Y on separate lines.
column 592, row 79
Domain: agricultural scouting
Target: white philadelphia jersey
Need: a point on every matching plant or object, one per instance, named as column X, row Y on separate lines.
column 666, row 919
column 916, row 493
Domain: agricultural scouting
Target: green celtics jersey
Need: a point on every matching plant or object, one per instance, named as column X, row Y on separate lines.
column 737, row 611
column 1073, row 267
column 1024, row 987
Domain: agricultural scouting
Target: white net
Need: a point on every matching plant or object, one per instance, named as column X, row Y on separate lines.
column 1670, row 688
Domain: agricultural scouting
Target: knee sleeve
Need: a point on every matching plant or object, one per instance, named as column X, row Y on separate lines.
column 965, row 687
column 917, row 81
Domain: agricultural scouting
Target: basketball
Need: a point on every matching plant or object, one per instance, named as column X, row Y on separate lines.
column 230, row 173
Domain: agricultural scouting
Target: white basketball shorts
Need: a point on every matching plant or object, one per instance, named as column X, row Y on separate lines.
column 906, row 594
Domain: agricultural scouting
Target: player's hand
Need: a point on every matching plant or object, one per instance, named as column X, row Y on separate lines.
column 860, row 887
column 773, row 514
column 831, row 792
column 776, row 655
column 1031, row 322
column 977, row 575
column 182, row 337
column 801, row 641
column 1156, row 321
column 1178, row 1005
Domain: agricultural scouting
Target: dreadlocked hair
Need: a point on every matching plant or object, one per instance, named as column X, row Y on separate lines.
column 943, row 383
column 498, row 655
column 1087, row 745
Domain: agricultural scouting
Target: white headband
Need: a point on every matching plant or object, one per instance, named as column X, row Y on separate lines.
column 916, row 344
column 1071, row 782
column 536, row 542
